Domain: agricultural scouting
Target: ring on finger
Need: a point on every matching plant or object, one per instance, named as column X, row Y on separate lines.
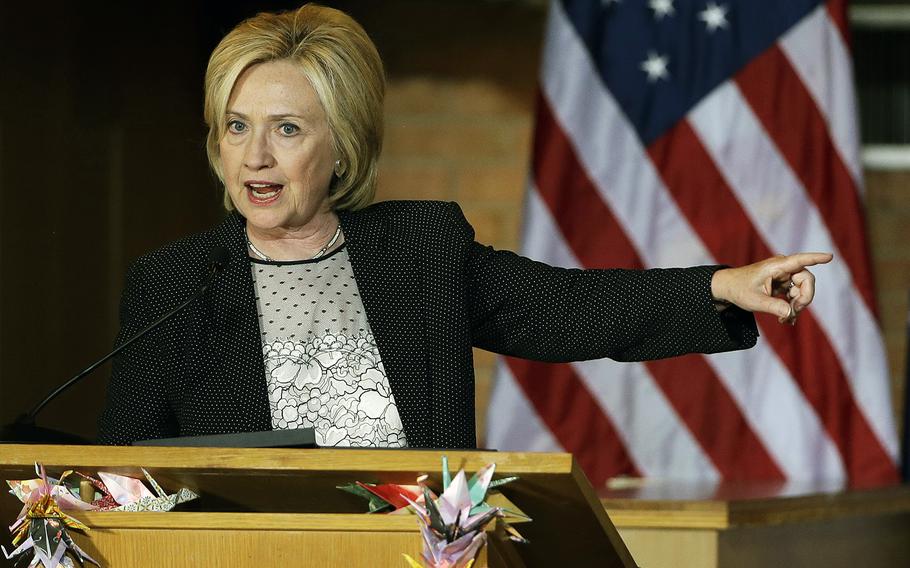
column 791, row 314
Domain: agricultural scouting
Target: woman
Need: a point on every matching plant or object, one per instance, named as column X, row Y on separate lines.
column 359, row 319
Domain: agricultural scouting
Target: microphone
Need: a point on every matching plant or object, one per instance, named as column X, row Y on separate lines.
column 24, row 430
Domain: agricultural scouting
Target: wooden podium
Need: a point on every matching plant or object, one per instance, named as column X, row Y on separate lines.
column 266, row 507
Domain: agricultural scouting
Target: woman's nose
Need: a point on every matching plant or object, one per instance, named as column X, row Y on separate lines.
column 258, row 154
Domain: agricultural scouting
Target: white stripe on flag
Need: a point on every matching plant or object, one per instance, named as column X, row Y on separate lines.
column 782, row 213
column 816, row 49
column 513, row 424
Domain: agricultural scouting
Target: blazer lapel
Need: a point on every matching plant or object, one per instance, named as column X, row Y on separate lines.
column 234, row 336
column 384, row 269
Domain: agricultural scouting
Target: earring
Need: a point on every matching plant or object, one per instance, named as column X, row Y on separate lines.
column 338, row 169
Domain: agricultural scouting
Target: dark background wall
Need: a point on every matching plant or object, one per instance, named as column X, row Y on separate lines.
column 102, row 158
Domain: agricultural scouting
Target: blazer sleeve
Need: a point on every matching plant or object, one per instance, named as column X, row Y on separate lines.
column 528, row 309
column 137, row 405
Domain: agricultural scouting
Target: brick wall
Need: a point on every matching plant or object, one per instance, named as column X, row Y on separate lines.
column 888, row 219
column 466, row 141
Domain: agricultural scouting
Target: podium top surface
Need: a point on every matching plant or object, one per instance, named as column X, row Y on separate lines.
column 18, row 456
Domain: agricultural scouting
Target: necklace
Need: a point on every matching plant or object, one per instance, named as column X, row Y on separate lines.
column 321, row 252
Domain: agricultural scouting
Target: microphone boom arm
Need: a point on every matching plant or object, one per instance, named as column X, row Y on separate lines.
column 28, row 419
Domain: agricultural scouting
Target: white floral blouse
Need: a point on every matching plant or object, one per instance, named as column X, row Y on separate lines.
column 322, row 366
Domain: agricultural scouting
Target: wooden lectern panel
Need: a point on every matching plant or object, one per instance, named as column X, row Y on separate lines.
column 251, row 540
column 569, row 524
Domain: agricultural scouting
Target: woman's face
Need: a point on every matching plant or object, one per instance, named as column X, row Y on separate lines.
column 276, row 152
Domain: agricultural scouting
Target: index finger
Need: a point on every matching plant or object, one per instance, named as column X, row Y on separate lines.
column 796, row 262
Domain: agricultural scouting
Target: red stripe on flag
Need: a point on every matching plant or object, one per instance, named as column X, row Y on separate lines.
column 569, row 410
column 789, row 115
column 837, row 9
column 716, row 215
column 689, row 384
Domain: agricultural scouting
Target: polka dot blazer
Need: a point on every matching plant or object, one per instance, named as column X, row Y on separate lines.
column 430, row 293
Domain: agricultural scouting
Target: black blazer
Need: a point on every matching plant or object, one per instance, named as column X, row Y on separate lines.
column 430, row 293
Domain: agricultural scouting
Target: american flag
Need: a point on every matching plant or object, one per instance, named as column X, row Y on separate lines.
column 686, row 132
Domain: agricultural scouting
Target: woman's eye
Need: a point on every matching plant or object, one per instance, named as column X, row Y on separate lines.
column 236, row 127
column 289, row 129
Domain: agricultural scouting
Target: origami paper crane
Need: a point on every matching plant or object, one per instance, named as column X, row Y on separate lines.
column 131, row 495
column 42, row 526
column 114, row 493
column 388, row 497
column 452, row 525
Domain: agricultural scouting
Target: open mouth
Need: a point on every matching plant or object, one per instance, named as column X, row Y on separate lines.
column 262, row 193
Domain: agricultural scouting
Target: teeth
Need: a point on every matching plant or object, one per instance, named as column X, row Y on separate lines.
column 261, row 195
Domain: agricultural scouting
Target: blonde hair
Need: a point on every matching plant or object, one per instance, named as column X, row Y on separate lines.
column 345, row 70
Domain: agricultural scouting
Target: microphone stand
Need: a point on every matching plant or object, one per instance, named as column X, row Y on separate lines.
column 24, row 430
